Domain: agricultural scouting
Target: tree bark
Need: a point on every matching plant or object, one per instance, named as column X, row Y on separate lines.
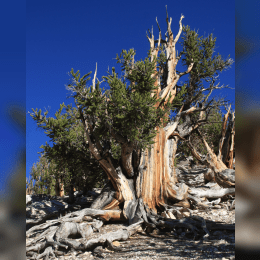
column 157, row 176
column 59, row 188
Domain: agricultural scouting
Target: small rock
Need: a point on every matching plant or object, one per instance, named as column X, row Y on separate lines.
column 116, row 243
column 149, row 230
column 156, row 231
column 48, row 204
column 78, row 193
column 140, row 229
column 220, row 242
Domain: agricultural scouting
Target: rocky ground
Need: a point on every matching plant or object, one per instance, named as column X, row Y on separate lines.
column 160, row 244
column 169, row 245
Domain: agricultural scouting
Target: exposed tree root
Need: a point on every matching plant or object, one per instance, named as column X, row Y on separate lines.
column 105, row 239
column 32, row 222
column 47, row 253
column 80, row 230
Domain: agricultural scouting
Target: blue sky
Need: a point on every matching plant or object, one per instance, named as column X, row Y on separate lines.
column 63, row 34
column 13, row 83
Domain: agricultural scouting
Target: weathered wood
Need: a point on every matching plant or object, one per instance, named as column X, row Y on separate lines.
column 210, row 193
column 32, row 222
column 105, row 215
column 70, row 229
column 226, row 178
column 47, row 253
column 228, row 146
column 104, row 239
column 106, row 196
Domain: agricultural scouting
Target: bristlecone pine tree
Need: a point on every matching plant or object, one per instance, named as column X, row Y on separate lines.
column 135, row 111
column 134, row 115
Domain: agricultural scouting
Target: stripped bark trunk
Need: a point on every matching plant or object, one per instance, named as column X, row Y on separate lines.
column 156, row 173
column 154, row 181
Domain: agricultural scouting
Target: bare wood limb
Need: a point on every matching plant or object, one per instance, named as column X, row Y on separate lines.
column 170, row 128
column 212, row 160
column 179, row 32
column 193, row 150
column 187, row 71
column 94, row 79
